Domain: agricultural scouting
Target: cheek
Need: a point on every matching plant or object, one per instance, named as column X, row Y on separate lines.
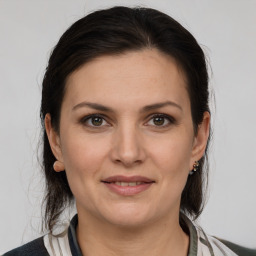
column 173, row 154
column 172, row 160
column 83, row 155
column 83, row 160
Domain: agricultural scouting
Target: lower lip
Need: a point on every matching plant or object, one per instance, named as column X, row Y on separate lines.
column 128, row 190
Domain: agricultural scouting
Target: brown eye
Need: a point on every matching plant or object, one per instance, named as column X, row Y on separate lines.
column 159, row 120
column 96, row 121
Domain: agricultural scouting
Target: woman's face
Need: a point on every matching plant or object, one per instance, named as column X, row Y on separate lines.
column 126, row 137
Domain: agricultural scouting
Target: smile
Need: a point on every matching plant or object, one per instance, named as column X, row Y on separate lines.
column 125, row 184
column 128, row 186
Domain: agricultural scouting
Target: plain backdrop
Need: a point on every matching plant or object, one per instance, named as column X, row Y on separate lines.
column 29, row 29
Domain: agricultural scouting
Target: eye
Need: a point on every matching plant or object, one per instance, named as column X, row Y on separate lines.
column 94, row 121
column 161, row 120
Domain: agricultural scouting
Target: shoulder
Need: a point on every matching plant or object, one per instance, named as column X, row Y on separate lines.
column 238, row 249
column 222, row 247
column 210, row 245
column 35, row 247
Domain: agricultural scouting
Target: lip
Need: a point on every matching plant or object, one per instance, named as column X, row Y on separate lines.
column 127, row 190
column 121, row 178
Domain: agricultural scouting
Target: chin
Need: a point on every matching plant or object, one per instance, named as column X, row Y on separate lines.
column 128, row 222
column 128, row 216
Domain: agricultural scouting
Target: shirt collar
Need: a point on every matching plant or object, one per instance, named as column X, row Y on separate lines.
column 74, row 247
column 76, row 251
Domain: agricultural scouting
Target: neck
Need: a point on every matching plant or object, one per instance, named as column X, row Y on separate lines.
column 163, row 237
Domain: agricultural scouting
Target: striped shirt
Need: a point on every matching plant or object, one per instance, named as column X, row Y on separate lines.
column 65, row 244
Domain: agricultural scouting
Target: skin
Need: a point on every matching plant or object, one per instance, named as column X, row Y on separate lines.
column 128, row 141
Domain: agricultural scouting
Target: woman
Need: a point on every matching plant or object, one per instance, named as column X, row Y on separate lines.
column 126, row 126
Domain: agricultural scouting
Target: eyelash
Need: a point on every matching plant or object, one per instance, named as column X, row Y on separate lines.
column 170, row 120
column 88, row 117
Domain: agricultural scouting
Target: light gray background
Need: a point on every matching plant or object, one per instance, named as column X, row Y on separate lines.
column 29, row 30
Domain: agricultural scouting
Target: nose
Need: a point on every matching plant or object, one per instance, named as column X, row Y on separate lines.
column 127, row 147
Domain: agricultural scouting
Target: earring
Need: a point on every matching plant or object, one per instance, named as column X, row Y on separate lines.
column 195, row 168
column 58, row 166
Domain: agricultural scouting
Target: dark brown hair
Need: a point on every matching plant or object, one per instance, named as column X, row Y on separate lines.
column 111, row 32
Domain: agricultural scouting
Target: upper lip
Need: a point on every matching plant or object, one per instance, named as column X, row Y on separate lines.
column 120, row 178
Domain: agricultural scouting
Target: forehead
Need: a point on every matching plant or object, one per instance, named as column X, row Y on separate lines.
column 144, row 76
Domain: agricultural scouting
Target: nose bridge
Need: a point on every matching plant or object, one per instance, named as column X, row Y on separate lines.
column 127, row 147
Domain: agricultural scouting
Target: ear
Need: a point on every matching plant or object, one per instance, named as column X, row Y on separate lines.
column 54, row 139
column 201, row 138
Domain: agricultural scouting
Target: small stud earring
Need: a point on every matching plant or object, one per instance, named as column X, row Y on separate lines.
column 58, row 166
column 195, row 168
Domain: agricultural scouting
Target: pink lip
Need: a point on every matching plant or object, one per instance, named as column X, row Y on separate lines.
column 128, row 190
column 121, row 178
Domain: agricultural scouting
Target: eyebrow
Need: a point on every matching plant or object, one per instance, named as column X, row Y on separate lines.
column 160, row 105
column 93, row 106
column 108, row 109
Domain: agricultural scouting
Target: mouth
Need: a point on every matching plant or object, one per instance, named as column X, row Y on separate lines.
column 127, row 186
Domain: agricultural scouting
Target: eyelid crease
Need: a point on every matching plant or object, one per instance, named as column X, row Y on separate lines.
column 161, row 115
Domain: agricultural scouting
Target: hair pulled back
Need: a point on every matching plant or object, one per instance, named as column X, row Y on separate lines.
column 111, row 32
